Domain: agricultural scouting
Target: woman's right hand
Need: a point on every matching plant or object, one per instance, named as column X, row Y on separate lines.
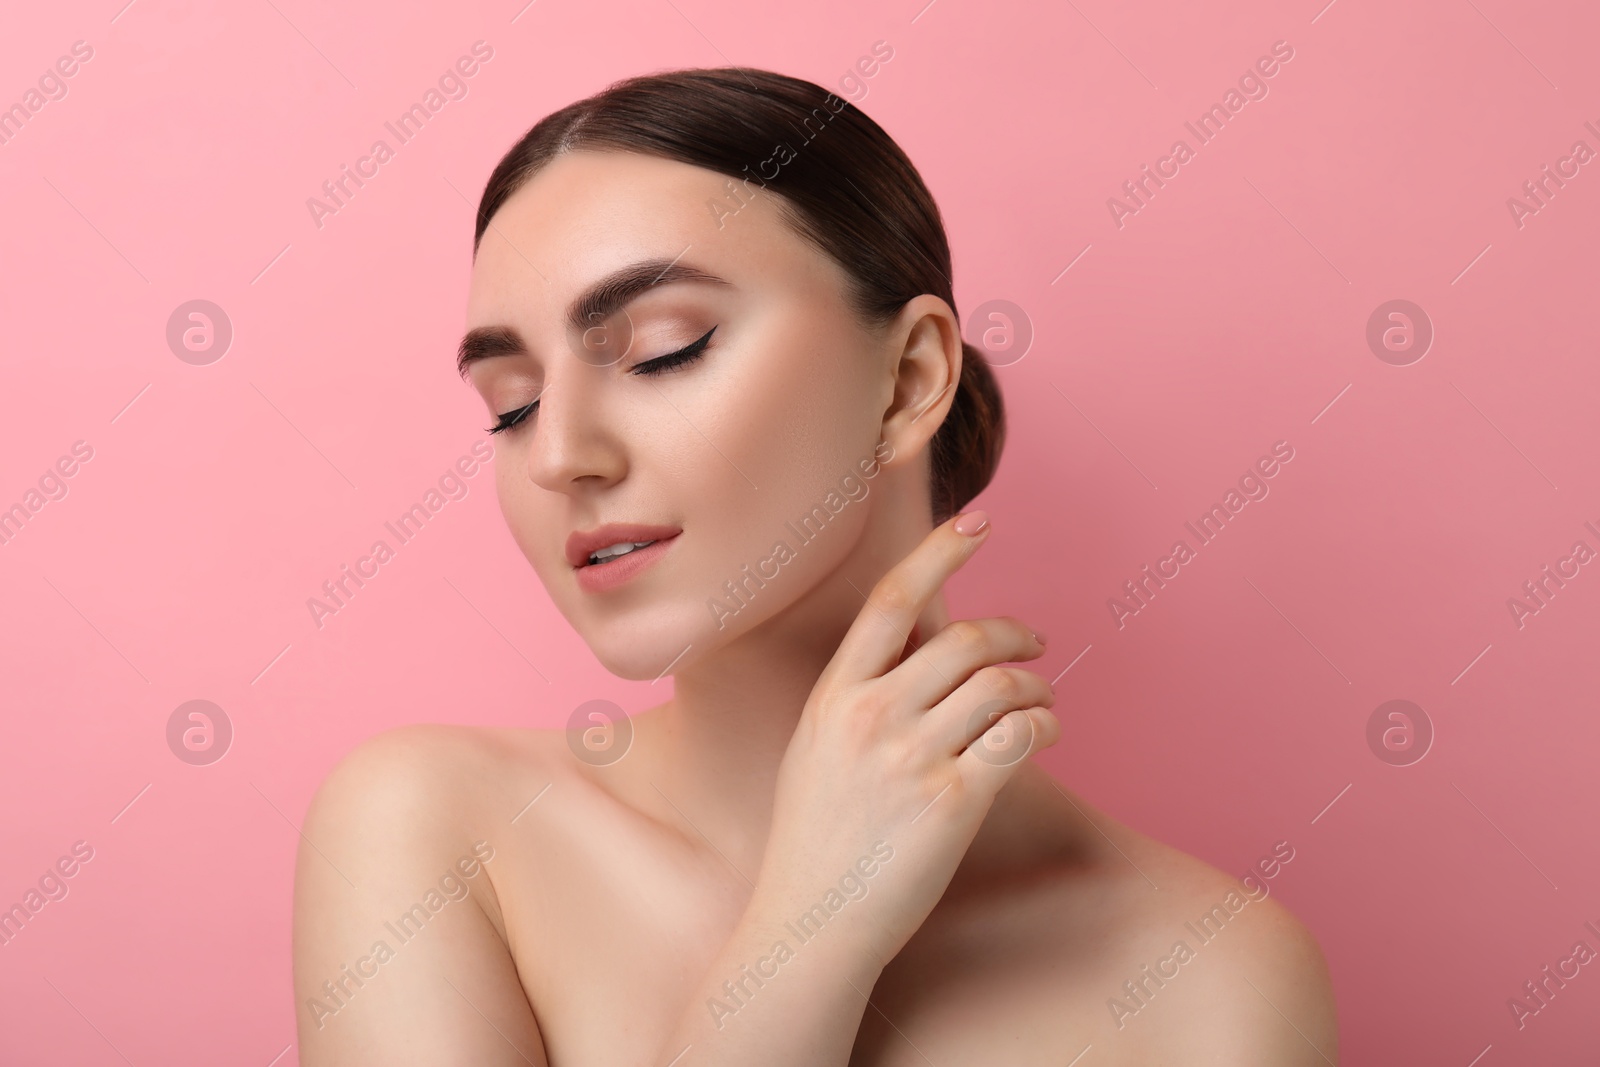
column 906, row 755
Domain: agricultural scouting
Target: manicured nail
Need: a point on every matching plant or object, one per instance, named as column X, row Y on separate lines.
column 972, row 523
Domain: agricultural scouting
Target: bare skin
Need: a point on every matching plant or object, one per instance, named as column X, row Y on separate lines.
column 832, row 735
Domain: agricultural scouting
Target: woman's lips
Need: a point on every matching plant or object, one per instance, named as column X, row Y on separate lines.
column 599, row 577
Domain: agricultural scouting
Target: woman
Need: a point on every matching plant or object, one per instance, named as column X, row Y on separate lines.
column 712, row 317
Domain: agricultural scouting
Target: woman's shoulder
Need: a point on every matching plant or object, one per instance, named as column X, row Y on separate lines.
column 434, row 772
column 1211, row 960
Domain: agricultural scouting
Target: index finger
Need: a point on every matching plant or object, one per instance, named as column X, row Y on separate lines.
column 874, row 642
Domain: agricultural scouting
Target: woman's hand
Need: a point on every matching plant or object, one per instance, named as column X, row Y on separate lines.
column 902, row 745
column 906, row 737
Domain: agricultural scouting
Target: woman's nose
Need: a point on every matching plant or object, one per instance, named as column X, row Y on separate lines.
column 571, row 440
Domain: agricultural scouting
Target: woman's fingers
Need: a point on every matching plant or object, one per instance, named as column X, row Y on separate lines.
column 875, row 641
column 980, row 702
column 933, row 672
column 994, row 755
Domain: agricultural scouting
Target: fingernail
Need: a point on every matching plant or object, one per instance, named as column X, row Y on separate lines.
column 1039, row 636
column 972, row 523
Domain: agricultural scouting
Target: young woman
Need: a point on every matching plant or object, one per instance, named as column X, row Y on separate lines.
column 712, row 316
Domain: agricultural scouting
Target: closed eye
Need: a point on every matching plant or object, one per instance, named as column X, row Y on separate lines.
column 666, row 364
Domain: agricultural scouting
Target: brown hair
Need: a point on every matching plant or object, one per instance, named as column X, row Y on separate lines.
column 845, row 186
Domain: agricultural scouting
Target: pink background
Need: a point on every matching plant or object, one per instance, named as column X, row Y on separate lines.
column 1227, row 314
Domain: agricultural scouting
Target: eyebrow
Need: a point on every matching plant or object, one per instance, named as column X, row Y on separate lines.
column 597, row 303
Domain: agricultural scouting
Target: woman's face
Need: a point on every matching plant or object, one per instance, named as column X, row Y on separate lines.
column 735, row 448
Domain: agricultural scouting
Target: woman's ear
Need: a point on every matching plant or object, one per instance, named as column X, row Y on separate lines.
column 926, row 366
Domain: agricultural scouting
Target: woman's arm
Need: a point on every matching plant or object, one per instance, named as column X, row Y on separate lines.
column 396, row 958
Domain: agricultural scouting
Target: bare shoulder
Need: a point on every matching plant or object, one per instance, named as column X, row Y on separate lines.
column 1213, row 967
column 399, row 949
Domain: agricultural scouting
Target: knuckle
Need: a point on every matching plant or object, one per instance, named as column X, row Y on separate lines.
column 891, row 596
column 969, row 635
column 1000, row 681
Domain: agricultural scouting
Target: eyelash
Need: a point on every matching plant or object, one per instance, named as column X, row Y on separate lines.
column 667, row 364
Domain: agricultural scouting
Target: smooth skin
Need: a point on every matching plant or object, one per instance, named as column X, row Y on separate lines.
column 838, row 733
